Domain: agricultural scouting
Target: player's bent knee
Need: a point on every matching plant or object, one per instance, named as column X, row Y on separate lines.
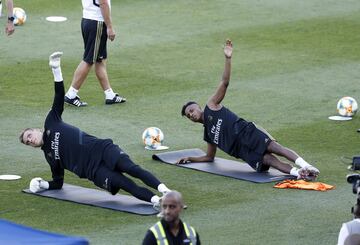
column 267, row 159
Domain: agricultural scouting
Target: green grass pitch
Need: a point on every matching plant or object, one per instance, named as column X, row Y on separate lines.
column 292, row 61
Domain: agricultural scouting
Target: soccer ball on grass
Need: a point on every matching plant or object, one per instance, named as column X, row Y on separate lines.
column 152, row 137
column 19, row 16
column 347, row 107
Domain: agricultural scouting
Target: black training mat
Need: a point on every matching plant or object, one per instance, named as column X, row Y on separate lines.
column 220, row 166
column 99, row 198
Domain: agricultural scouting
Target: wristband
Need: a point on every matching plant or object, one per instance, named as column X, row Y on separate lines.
column 11, row 18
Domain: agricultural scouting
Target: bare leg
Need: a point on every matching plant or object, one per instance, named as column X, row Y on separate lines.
column 101, row 74
column 309, row 172
column 272, row 161
column 80, row 74
column 280, row 150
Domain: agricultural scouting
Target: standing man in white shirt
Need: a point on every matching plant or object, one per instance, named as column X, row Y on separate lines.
column 96, row 27
column 350, row 231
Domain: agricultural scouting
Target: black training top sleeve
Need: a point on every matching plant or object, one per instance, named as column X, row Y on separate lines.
column 58, row 179
column 149, row 239
column 58, row 104
column 57, row 174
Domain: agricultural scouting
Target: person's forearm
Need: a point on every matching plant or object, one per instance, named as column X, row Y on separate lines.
column 105, row 11
column 201, row 159
column 59, row 93
column 58, row 103
column 227, row 71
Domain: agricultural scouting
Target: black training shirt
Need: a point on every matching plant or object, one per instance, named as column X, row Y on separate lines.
column 222, row 128
column 67, row 147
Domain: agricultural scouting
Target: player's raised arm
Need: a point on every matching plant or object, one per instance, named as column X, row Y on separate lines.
column 54, row 63
column 220, row 92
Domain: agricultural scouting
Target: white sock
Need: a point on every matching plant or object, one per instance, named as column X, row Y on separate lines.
column 155, row 199
column 109, row 94
column 71, row 93
column 294, row 172
column 301, row 162
column 57, row 74
column 162, row 188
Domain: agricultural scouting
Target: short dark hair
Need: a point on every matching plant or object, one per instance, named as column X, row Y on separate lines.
column 185, row 106
column 175, row 194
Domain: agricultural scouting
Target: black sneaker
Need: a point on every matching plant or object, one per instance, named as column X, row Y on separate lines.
column 75, row 101
column 115, row 100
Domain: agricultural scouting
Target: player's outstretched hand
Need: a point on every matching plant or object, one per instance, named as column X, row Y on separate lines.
column 183, row 160
column 228, row 48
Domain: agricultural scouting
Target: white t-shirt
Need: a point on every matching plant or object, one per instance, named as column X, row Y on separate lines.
column 91, row 9
column 354, row 227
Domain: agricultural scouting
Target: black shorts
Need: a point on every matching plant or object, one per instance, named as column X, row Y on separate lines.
column 95, row 37
column 252, row 145
column 112, row 155
column 104, row 178
column 109, row 175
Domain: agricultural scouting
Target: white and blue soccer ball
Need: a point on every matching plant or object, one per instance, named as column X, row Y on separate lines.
column 19, row 16
column 347, row 106
column 152, row 137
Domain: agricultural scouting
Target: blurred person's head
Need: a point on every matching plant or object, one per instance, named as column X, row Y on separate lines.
column 171, row 206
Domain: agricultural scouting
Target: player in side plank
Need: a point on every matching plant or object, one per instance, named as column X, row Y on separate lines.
column 99, row 160
column 239, row 138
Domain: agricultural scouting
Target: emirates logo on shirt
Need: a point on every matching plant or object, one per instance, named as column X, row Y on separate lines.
column 55, row 145
column 216, row 131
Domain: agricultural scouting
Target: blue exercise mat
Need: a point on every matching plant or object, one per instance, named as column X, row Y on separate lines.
column 99, row 198
column 11, row 233
column 223, row 167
